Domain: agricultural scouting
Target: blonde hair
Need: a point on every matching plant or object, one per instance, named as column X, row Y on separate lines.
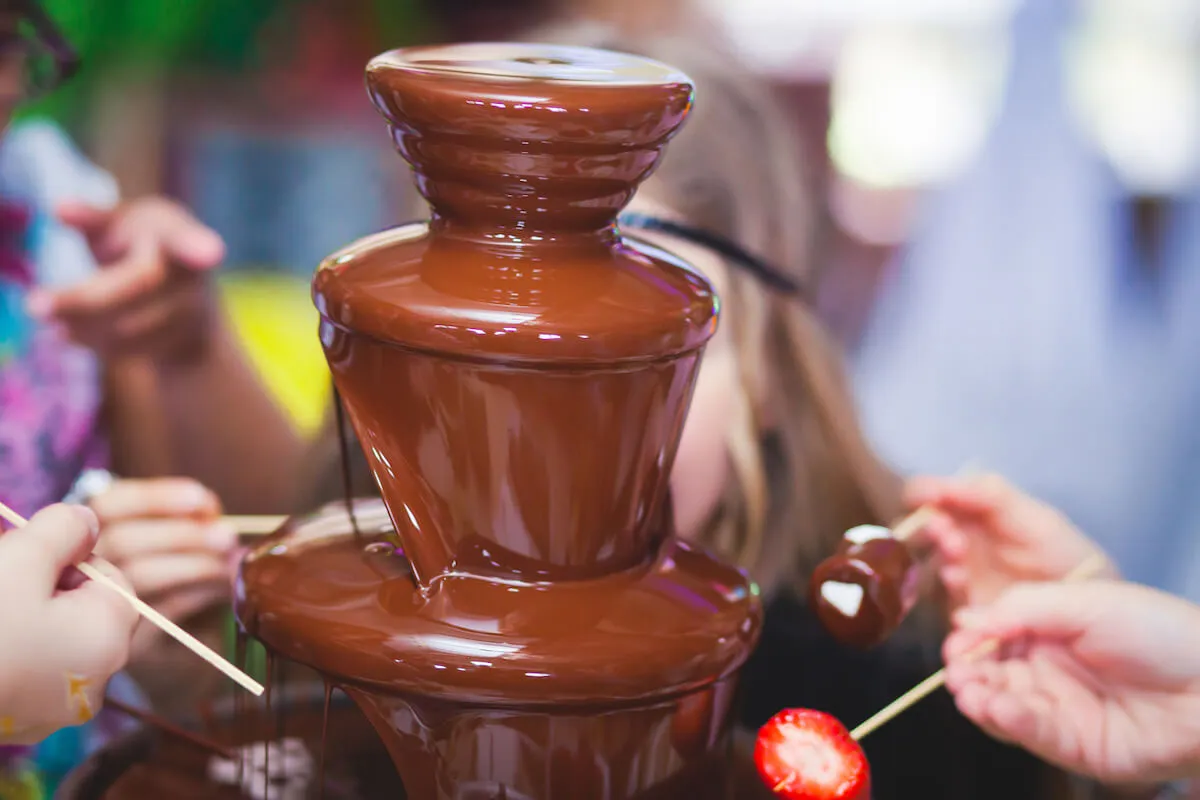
column 802, row 472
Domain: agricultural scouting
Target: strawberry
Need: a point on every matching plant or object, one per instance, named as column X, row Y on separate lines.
column 808, row 755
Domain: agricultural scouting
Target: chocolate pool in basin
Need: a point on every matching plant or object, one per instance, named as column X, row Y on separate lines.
column 528, row 626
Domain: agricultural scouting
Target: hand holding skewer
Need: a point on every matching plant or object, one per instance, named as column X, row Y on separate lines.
column 92, row 572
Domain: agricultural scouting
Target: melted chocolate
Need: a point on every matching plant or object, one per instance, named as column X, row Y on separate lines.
column 358, row 764
column 518, row 619
column 864, row 591
column 141, row 765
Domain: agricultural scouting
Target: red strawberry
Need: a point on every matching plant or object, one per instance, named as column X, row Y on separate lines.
column 807, row 755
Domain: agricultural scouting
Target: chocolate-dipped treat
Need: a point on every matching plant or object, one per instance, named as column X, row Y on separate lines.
column 518, row 375
column 864, row 590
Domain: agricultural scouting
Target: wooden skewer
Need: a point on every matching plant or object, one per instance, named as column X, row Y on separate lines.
column 254, row 525
column 912, row 523
column 162, row 623
column 170, row 728
column 1088, row 568
column 921, row 517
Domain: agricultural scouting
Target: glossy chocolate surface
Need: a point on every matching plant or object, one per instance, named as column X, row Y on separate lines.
column 864, row 591
column 517, row 374
column 356, row 763
column 348, row 607
column 527, row 625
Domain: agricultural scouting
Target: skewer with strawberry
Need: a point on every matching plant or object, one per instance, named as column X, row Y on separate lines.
column 808, row 755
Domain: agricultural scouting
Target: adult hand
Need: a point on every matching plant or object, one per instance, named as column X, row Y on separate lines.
column 151, row 295
column 1101, row 678
column 990, row 535
column 166, row 536
column 61, row 637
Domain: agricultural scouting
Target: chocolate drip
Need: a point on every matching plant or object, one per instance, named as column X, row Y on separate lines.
column 344, row 452
column 266, row 743
column 168, row 727
column 239, row 697
column 324, row 741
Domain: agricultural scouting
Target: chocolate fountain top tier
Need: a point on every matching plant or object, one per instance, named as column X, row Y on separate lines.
column 526, row 154
column 536, row 138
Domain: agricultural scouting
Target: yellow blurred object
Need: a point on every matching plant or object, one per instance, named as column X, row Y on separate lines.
column 274, row 318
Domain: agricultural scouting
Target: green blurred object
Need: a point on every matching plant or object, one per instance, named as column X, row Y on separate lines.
column 255, row 664
column 213, row 34
column 204, row 32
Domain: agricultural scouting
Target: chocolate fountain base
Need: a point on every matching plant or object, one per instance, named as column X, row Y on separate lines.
column 146, row 765
column 614, row 688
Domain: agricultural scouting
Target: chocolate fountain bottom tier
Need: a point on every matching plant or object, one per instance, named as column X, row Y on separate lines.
column 613, row 688
column 676, row 749
column 356, row 764
column 346, row 605
column 147, row 764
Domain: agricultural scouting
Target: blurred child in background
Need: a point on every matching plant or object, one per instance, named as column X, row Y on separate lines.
column 88, row 284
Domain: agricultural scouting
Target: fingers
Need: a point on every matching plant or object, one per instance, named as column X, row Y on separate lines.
column 98, row 623
column 189, row 242
column 112, row 572
column 947, row 538
column 84, row 217
column 54, row 539
column 185, row 604
column 181, row 237
column 155, row 576
column 158, row 497
column 141, row 271
column 993, row 693
column 95, row 223
column 985, row 494
column 128, row 541
column 1045, row 610
column 137, row 246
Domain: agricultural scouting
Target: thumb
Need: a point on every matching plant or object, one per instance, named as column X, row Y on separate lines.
column 189, row 242
column 92, row 221
column 54, row 539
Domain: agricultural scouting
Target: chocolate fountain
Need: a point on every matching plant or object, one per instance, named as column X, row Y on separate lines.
column 528, row 626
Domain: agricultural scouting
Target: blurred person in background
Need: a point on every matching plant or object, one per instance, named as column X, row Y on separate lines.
column 85, row 283
column 1043, row 322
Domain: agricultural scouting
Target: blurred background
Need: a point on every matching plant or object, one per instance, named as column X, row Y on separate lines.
column 1010, row 222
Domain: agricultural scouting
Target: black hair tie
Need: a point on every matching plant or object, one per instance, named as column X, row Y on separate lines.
column 718, row 244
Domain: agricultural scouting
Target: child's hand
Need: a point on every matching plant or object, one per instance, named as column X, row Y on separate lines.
column 61, row 637
column 989, row 535
column 1101, row 678
column 166, row 536
column 151, row 295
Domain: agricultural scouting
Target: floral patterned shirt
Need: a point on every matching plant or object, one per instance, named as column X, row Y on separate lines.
column 50, row 390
